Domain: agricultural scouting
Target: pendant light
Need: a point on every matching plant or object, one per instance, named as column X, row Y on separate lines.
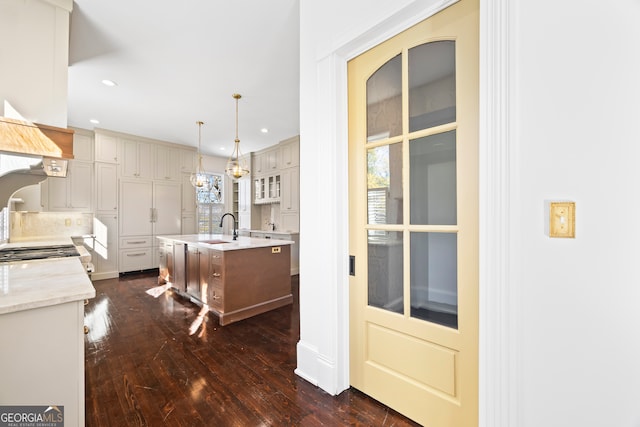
column 236, row 165
column 199, row 179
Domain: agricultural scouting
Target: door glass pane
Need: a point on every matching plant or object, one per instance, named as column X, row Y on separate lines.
column 384, row 184
column 432, row 184
column 385, row 270
column 434, row 278
column 384, row 101
column 432, row 84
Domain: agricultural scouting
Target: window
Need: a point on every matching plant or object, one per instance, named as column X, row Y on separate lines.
column 210, row 206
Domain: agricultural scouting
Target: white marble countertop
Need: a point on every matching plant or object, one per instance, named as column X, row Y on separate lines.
column 225, row 242
column 27, row 285
column 245, row 230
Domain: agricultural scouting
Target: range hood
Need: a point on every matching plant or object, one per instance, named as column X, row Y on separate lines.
column 29, row 152
column 20, row 136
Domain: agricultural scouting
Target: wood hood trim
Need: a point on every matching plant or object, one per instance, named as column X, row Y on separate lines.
column 19, row 136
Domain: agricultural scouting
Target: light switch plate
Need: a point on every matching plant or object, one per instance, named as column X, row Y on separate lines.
column 562, row 219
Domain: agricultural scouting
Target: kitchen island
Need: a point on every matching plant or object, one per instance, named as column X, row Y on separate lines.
column 235, row 279
column 41, row 325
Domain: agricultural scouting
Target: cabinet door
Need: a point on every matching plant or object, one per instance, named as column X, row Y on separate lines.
column 166, row 208
column 106, row 187
column 188, row 223
column 137, row 159
column 136, row 203
column 188, row 194
column 129, row 162
column 106, row 148
column 80, row 176
column 187, row 161
column 290, row 154
column 244, row 195
column 290, row 199
column 56, row 193
column 258, row 164
column 145, row 160
column 271, row 157
column 105, row 249
column 72, row 193
column 82, row 147
column 193, row 271
column 167, row 163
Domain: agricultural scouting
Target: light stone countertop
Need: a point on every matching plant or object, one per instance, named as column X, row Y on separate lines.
column 224, row 242
column 245, row 230
column 27, row 285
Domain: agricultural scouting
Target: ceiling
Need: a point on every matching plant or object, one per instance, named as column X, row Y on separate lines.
column 177, row 63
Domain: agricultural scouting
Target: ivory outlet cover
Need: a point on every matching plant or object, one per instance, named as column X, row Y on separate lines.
column 562, row 219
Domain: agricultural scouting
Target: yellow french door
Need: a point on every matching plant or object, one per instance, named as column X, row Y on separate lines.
column 413, row 168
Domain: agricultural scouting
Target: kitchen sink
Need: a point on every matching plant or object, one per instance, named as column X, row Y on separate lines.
column 213, row 242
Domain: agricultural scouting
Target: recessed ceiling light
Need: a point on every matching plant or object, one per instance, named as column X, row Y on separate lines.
column 222, row 148
column 109, row 83
column 94, row 121
column 264, row 130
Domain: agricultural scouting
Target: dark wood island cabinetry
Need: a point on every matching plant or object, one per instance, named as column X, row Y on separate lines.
column 234, row 279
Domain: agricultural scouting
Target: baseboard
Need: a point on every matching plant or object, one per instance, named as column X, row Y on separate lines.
column 102, row 276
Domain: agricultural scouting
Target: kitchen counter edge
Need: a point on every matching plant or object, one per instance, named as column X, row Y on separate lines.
column 242, row 242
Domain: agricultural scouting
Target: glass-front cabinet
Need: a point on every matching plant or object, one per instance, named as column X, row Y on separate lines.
column 267, row 189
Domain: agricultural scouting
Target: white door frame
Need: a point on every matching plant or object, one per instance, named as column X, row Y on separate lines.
column 499, row 338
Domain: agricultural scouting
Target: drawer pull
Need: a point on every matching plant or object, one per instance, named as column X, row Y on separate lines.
column 138, row 254
column 137, row 242
column 216, row 274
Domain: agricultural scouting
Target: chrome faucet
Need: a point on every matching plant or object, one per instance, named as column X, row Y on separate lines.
column 235, row 232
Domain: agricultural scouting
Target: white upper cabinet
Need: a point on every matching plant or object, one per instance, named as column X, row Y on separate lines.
column 72, row 193
column 106, row 148
column 266, row 162
column 187, row 161
column 290, row 152
column 137, row 159
column 167, row 166
column 83, row 146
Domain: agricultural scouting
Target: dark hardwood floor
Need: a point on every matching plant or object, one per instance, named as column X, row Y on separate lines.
column 154, row 358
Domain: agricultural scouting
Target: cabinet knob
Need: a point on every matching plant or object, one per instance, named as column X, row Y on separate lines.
column 86, row 329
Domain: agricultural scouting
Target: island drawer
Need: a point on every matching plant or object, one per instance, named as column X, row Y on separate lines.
column 215, row 295
column 215, row 257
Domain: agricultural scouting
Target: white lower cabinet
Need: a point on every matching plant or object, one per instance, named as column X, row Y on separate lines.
column 105, row 246
column 42, row 361
column 147, row 209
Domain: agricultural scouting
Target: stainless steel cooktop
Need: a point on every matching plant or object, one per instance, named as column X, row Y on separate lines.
column 37, row 252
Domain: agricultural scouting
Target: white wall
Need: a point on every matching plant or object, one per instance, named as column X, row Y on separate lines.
column 575, row 104
column 577, row 131
column 35, row 83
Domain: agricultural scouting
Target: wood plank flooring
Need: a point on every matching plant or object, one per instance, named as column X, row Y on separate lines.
column 154, row 358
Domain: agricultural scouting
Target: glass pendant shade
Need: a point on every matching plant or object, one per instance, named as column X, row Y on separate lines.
column 200, row 179
column 236, row 165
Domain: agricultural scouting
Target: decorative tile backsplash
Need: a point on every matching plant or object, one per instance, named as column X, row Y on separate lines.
column 43, row 225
